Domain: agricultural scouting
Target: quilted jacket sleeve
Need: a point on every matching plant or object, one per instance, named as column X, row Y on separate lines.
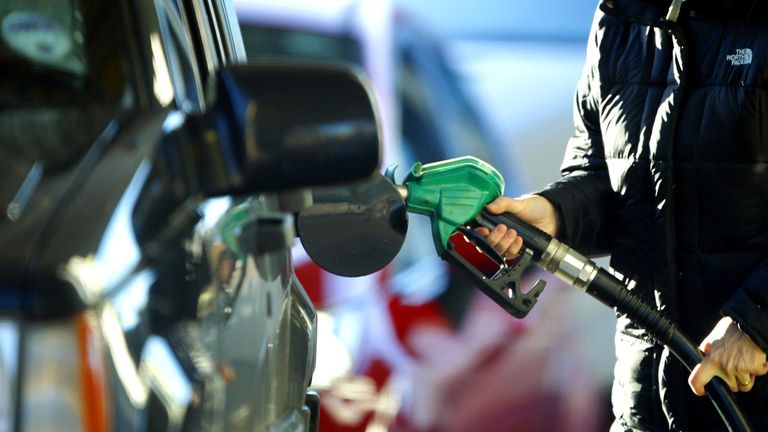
column 749, row 306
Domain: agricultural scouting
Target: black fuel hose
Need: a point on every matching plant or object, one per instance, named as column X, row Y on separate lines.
column 577, row 270
column 610, row 291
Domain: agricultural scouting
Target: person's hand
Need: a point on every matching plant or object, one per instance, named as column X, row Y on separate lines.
column 731, row 355
column 534, row 209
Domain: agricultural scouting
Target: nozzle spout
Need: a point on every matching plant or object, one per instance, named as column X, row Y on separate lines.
column 403, row 191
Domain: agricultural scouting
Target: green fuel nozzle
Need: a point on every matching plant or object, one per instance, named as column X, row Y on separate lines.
column 451, row 193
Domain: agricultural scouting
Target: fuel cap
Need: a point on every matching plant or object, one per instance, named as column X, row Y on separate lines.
column 354, row 229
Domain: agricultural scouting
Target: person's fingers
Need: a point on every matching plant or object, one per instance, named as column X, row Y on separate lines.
column 494, row 207
column 516, row 247
column 504, row 246
column 697, row 380
column 745, row 384
column 705, row 346
column 702, row 374
column 739, row 357
column 752, row 366
column 503, row 205
column 504, row 240
column 496, row 234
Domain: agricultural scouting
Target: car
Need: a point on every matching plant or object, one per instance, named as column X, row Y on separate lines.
column 149, row 176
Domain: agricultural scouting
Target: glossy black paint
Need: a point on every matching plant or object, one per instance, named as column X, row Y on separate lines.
column 309, row 124
column 286, row 125
column 354, row 229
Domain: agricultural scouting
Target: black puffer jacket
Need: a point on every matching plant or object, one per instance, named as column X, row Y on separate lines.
column 668, row 172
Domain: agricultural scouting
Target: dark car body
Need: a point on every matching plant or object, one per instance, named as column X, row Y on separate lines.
column 146, row 280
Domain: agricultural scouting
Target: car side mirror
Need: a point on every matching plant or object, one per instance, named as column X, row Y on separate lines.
column 284, row 125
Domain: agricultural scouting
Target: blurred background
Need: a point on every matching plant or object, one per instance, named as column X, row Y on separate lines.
column 415, row 347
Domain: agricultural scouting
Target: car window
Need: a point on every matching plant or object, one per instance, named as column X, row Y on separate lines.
column 264, row 41
column 63, row 76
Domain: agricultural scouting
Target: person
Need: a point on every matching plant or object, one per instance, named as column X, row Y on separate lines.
column 668, row 172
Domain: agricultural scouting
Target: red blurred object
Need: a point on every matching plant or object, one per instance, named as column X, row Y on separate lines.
column 422, row 372
column 409, row 318
column 473, row 254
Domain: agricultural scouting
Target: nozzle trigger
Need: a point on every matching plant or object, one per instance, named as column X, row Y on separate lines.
column 503, row 286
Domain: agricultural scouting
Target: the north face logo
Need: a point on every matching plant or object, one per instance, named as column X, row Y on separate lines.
column 742, row 56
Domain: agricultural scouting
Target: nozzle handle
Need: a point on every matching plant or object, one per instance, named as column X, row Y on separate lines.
column 534, row 239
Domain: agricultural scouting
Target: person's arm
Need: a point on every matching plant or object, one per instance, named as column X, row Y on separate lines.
column 749, row 306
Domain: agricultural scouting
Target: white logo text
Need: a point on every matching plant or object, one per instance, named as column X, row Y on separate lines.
column 742, row 56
